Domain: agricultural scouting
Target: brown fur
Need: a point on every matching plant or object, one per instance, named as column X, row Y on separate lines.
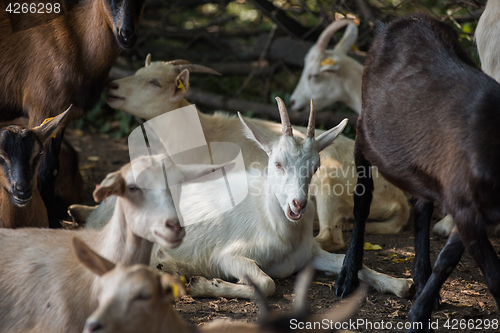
column 66, row 60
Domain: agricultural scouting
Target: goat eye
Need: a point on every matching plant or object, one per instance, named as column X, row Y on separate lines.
column 133, row 188
column 313, row 76
column 40, row 152
column 142, row 297
column 155, row 82
column 279, row 166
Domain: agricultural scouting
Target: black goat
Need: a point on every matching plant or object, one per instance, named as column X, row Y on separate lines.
column 429, row 122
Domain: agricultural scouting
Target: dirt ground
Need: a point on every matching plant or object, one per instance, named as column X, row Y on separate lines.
column 463, row 297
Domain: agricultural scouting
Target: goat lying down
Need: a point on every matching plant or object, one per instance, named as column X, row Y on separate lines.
column 268, row 235
column 139, row 298
column 333, row 183
column 436, row 138
column 42, row 286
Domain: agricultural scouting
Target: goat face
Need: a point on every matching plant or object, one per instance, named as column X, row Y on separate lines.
column 123, row 18
column 146, row 91
column 291, row 167
column 20, row 152
column 292, row 160
column 131, row 298
column 327, row 72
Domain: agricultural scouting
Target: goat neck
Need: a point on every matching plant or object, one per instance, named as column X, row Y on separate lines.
column 117, row 235
column 32, row 215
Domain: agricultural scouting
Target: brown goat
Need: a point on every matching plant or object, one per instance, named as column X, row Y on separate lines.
column 61, row 61
column 429, row 122
column 20, row 151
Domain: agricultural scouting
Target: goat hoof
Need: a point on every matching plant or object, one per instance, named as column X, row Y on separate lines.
column 346, row 283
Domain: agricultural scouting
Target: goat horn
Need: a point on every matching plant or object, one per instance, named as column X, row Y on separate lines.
column 301, row 287
column 177, row 62
column 311, row 124
column 327, row 34
column 198, row 69
column 286, row 126
column 148, row 60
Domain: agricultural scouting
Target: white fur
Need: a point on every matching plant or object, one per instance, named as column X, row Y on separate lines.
column 138, row 96
column 258, row 238
column 488, row 39
column 43, row 287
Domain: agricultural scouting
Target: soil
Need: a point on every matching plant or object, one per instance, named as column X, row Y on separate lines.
column 465, row 299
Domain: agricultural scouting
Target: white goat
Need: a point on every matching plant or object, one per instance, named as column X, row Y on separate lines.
column 488, row 39
column 160, row 87
column 138, row 299
column 330, row 76
column 44, row 289
column 268, row 235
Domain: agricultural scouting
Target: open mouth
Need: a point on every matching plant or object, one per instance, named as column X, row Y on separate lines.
column 292, row 215
column 170, row 242
column 20, row 202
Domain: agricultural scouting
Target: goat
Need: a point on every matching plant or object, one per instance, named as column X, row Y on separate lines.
column 63, row 61
column 269, row 234
column 436, row 138
column 53, row 292
column 63, row 173
column 20, row 152
column 330, row 76
column 488, row 42
column 488, row 39
column 160, row 87
column 138, row 299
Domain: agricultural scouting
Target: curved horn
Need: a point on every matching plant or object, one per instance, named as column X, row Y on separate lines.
column 286, row 126
column 148, row 60
column 349, row 38
column 198, row 69
column 327, row 34
column 311, row 124
column 177, row 62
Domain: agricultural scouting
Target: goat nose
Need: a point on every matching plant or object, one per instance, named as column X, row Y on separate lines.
column 173, row 224
column 93, row 326
column 126, row 34
column 22, row 188
column 300, row 205
column 113, row 86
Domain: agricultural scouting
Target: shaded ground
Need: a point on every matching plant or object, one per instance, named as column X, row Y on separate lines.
column 464, row 296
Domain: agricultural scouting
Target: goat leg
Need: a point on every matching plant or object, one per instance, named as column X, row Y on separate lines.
column 475, row 240
column 422, row 269
column 347, row 280
column 447, row 260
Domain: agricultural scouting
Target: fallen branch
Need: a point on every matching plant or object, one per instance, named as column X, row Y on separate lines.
column 265, row 111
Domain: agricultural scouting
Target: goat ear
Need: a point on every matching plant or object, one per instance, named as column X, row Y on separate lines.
column 113, row 184
column 326, row 138
column 90, row 259
column 256, row 134
column 148, row 60
column 51, row 126
column 181, row 86
column 349, row 38
column 171, row 287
